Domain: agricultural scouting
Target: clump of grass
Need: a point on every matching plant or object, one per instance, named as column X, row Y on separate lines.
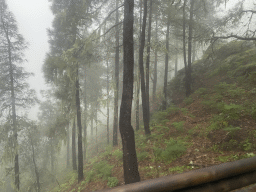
column 142, row 156
column 118, row 153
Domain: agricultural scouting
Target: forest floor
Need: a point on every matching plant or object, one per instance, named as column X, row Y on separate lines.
column 216, row 124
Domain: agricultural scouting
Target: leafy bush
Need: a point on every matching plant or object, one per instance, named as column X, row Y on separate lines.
column 142, row 156
column 179, row 125
column 118, row 153
column 103, row 169
column 232, row 130
column 90, row 175
column 173, row 150
column 201, row 91
column 112, row 181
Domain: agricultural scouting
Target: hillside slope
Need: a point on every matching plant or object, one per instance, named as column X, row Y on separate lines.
column 215, row 124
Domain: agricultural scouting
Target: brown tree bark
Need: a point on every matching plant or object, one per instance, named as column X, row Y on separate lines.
column 116, row 92
column 166, row 63
column 155, row 64
column 190, row 31
column 79, row 135
column 68, row 143
column 130, row 164
column 148, row 58
column 74, row 145
column 143, row 87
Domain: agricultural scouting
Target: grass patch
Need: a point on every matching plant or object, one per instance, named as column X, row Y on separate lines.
column 179, row 125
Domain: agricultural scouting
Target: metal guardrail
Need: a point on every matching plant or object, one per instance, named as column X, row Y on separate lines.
column 218, row 178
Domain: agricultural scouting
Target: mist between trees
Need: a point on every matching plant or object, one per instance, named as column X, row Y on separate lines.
column 108, row 67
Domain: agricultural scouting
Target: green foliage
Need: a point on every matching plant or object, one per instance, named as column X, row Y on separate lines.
column 201, row 91
column 232, row 130
column 142, row 156
column 160, row 117
column 89, row 176
column 173, row 150
column 179, row 169
column 247, row 145
column 103, row 169
column 188, row 100
column 112, row 181
column 184, row 111
column 118, row 153
column 179, row 125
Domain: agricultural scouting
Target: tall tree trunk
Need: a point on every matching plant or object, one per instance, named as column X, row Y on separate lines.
column 79, row 136
column 107, row 104
column 92, row 113
column 74, row 145
column 85, row 117
column 190, row 30
column 34, row 162
column 166, row 63
column 68, row 143
column 115, row 142
column 155, row 65
column 138, row 80
column 52, row 157
column 14, row 118
column 143, row 88
column 148, row 58
column 96, row 128
column 130, row 164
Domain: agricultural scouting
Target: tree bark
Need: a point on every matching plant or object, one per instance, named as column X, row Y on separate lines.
column 107, row 104
column 34, row 162
column 68, row 139
column 155, row 65
column 79, row 136
column 166, row 63
column 143, row 88
column 190, row 31
column 116, row 92
column 74, row 146
column 148, row 58
column 130, row 164
column 85, row 117
column 13, row 105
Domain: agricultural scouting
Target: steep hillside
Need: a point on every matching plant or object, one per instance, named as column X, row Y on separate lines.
column 215, row 124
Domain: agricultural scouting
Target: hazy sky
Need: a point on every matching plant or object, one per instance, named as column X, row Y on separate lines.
column 33, row 18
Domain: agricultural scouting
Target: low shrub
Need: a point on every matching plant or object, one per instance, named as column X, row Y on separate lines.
column 112, row 181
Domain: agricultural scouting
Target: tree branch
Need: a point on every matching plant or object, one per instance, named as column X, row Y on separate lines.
column 235, row 36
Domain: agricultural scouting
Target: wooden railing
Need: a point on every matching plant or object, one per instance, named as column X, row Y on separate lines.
column 218, row 178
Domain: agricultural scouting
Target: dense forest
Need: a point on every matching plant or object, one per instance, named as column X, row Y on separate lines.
column 137, row 90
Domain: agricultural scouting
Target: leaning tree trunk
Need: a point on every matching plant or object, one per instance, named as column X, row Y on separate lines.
column 148, row 59
column 166, row 63
column 130, row 164
column 143, row 88
column 74, row 145
column 79, row 135
column 116, row 92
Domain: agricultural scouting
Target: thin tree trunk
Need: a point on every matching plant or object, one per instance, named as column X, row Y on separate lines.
column 130, row 164
column 34, row 162
column 138, row 81
column 92, row 113
column 143, row 88
column 79, row 136
column 155, row 66
column 14, row 118
column 85, row 117
column 190, row 31
column 166, row 63
column 96, row 128
column 107, row 103
column 116, row 93
column 74, row 146
column 52, row 158
column 68, row 143
column 148, row 58
column 184, row 35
